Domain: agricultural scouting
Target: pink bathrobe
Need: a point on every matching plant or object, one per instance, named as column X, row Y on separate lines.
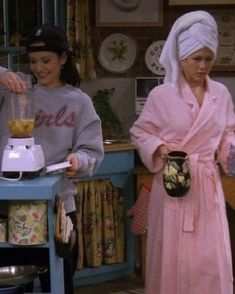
column 188, row 247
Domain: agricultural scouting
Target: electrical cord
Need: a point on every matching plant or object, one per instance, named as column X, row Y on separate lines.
column 12, row 179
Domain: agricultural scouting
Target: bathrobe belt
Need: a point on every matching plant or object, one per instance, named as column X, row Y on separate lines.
column 204, row 175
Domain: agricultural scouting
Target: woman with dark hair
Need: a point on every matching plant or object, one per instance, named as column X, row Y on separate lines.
column 66, row 125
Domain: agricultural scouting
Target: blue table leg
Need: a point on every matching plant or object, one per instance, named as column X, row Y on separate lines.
column 56, row 263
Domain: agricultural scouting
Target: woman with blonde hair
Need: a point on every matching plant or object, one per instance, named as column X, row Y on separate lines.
column 188, row 248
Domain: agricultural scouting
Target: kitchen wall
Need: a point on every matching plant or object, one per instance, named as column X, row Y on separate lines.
column 123, row 100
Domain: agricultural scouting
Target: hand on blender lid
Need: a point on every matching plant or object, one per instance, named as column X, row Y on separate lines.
column 13, row 82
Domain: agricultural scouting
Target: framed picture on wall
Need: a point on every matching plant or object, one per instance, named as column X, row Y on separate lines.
column 225, row 60
column 200, row 2
column 121, row 13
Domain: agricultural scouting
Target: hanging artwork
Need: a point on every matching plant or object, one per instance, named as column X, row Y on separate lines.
column 130, row 13
column 225, row 60
column 200, row 2
column 117, row 53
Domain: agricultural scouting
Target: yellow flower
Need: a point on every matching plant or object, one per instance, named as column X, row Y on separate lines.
column 168, row 186
column 181, row 179
column 172, row 171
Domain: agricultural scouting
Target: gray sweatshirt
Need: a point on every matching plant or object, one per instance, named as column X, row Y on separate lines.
column 65, row 122
column 2, row 70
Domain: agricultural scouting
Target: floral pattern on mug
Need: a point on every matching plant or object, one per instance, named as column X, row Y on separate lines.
column 176, row 177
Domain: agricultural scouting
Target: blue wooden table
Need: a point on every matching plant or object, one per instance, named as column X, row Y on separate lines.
column 40, row 188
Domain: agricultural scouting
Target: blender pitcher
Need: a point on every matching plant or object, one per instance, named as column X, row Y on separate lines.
column 21, row 155
column 20, row 114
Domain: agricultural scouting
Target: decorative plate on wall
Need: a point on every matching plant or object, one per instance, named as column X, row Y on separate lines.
column 117, row 53
column 152, row 58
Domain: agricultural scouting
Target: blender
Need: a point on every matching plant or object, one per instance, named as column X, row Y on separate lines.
column 21, row 156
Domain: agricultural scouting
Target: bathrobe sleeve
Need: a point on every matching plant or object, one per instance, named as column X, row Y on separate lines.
column 145, row 134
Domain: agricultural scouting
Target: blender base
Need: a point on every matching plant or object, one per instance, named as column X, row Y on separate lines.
column 25, row 175
column 22, row 159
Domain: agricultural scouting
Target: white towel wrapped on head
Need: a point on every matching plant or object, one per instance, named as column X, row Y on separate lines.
column 191, row 32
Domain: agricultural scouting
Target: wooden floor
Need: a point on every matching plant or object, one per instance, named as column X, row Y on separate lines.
column 113, row 286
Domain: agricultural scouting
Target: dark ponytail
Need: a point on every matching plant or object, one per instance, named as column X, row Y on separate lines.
column 69, row 72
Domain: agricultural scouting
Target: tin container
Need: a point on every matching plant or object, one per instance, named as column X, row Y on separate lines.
column 27, row 222
column 3, row 230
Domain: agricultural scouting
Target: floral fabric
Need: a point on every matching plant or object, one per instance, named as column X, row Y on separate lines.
column 79, row 37
column 100, row 215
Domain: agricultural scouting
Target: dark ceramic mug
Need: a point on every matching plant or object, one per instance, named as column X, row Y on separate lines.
column 176, row 173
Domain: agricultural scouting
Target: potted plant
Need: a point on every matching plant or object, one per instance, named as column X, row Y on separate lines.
column 111, row 125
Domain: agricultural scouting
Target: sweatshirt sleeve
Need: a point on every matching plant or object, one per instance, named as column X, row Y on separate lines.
column 88, row 141
column 2, row 70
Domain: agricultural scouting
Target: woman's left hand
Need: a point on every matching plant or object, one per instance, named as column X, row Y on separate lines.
column 13, row 82
column 72, row 170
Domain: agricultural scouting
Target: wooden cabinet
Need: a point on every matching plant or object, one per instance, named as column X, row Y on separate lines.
column 41, row 188
column 229, row 192
column 118, row 166
column 228, row 184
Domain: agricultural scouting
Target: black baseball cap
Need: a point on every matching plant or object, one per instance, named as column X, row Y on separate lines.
column 53, row 39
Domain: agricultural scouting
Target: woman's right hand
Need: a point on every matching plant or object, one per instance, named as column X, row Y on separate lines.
column 162, row 151
column 13, row 82
column 72, row 170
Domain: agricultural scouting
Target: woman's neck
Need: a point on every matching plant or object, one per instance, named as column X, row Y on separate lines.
column 199, row 92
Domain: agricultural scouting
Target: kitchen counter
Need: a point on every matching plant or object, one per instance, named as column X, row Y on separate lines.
column 117, row 146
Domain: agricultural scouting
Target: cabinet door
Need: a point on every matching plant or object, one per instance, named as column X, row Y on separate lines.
column 17, row 19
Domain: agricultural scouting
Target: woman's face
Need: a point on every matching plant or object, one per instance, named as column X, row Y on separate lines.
column 197, row 66
column 46, row 66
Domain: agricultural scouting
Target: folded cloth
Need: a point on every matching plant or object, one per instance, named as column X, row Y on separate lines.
column 139, row 211
column 65, row 235
column 64, row 226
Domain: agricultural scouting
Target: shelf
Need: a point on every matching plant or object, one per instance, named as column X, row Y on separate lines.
column 8, row 245
column 89, row 276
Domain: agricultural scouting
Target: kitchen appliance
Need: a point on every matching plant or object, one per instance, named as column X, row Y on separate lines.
column 21, row 156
